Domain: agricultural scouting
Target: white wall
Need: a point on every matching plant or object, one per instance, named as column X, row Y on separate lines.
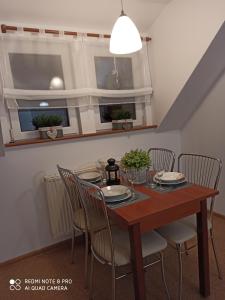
column 180, row 36
column 204, row 133
column 24, row 220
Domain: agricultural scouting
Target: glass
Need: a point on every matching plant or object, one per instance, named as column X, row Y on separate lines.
column 159, row 176
column 109, row 112
column 100, row 166
column 32, row 71
column 114, row 73
column 26, row 116
column 150, row 178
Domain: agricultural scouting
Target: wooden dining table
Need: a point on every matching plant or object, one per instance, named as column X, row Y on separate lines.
column 160, row 209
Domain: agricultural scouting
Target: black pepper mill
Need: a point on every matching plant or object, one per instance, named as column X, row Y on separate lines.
column 112, row 172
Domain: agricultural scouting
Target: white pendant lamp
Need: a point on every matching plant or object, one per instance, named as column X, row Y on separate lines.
column 125, row 37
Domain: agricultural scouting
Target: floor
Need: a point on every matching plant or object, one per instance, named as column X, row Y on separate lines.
column 55, row 265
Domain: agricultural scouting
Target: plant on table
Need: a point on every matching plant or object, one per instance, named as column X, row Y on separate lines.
column 136, row 162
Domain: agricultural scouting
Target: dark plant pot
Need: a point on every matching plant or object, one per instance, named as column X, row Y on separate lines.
column 122, row 124
column 51, row 132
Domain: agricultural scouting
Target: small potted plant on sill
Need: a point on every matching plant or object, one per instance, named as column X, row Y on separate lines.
column 49, row 126
column 122, row 120
column 136, row 164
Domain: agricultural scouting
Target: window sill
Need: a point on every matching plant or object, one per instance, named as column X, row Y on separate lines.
column 75, row 136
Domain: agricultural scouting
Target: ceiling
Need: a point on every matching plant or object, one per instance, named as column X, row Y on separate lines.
column 88, row 15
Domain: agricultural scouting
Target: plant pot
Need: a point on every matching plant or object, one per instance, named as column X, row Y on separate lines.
column 138, row 175
column 122, row 124
column 51, row 132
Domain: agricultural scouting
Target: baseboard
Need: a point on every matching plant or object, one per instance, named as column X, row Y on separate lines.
column 65, row 243
column 219, row 215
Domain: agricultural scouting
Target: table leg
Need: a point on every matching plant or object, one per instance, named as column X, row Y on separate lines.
column 203, row 250
column 137, row 261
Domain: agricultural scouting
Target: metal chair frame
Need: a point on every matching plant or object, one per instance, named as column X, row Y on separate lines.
column 162, row 159
column 70, row 181
column 205, row 171
column 93, row 194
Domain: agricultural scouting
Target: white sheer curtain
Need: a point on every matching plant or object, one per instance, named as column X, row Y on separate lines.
column 72, row 73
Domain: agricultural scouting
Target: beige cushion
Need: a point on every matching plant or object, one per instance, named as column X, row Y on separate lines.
column 191, row 221
column 79, row 220
column 152, row 243
column 177, row 232
column 182, row 230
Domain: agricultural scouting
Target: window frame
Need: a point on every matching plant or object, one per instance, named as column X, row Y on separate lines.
column 102, row 50
column 62, row 51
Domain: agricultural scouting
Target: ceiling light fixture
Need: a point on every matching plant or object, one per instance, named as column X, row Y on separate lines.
column 125, row 37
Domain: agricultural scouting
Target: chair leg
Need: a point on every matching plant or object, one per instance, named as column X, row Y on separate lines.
column 163, row 275
column 86, row 260
column 91, row 278
column 179, row 252
column 215, row 255
column 73, row 242
column 113, row 283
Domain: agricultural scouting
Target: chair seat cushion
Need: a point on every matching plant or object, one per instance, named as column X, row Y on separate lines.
column 79, row 220
column 152, row 243
column 177, row 232
column 191, row 221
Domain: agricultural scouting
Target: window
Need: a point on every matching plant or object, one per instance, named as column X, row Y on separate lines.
column 115, row 73
column 47, row 67
column 93, row 86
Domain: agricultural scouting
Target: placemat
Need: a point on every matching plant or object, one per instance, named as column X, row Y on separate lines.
column 169, row 188
column 138, row 196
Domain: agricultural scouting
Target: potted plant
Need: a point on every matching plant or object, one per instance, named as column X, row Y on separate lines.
column 49, row 126
column 136, row 163
column 122, row 120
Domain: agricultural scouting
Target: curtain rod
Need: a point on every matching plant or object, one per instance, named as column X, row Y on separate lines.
column 5, row 28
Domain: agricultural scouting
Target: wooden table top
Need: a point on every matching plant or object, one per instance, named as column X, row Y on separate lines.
column 162, row 205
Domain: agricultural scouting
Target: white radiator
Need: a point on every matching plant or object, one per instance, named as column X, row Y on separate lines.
column 60, row 214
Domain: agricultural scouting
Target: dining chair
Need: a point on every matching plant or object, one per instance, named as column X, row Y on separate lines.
column 111, row 246
column 79, row 220
column 162, row 159
column 205, row 171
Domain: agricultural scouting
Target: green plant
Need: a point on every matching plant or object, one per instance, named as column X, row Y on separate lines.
column 123, row 115
column 46, row 121
column 136, row 159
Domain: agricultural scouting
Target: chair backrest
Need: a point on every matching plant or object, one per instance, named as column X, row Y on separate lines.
column 201, row 169
column 95, row 209
column 71, row 184
column 162, row 159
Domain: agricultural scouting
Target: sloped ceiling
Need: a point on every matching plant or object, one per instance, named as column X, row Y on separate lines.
column 89, row 15
column 203, row 78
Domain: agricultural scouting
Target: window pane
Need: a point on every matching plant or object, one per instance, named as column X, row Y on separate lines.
column 34, row 71
column 114, row 73
column 110, row 112
column 26, row 116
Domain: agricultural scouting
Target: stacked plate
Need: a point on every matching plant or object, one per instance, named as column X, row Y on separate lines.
column 169, row 178
column 116, row 193
column 92, row 177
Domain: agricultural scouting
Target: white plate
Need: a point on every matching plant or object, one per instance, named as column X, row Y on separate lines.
column 170, row 182
column 119, row 198
column 170, row 177
column 114, row 190
column 90, row 176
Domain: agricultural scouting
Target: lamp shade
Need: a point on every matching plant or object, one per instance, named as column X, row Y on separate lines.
column 125, row 37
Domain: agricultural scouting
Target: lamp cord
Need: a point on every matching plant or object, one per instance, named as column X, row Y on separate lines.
column 122, row 11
